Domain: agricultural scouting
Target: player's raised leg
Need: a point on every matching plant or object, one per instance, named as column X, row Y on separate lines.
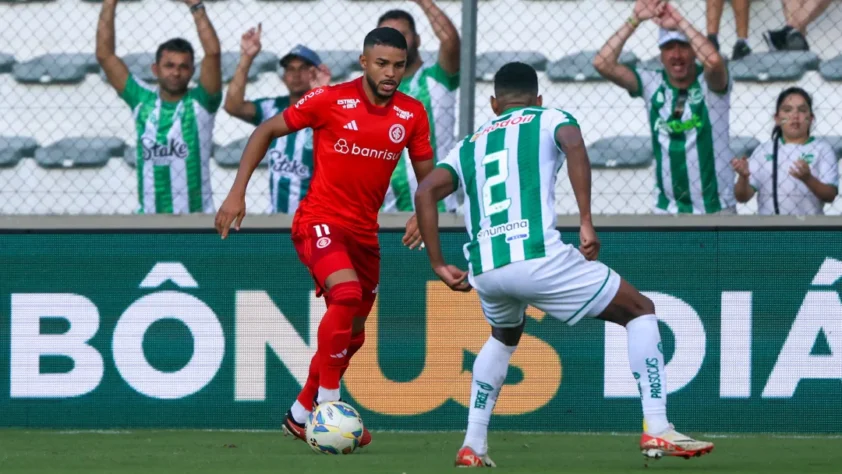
column 636, row 312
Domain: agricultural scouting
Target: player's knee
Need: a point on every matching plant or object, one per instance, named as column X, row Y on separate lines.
column 347, row 293
column 644, row 306
column 509, row 336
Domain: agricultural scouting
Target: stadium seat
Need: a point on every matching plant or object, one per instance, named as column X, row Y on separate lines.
column 7, row 62
column 264, row 62
column 130, row 156
column 830, row 70
column 228, row 156
column 777, row 66
column 12, row 149
column 621, row 152
column 340, row 62
column 63, row 68
column 488, row 63
column 579, row 67
column 743, row 146
column 79, row 152
column 834, row 140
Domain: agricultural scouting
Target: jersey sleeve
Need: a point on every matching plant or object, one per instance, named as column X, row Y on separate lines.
column 451, row 164
column 310, row 111
column 828, row 166
column 647, row 82
column 419, row 145
column 137, row 91
column 268, row 107
column 560, row 118
column 446, row 79
column 208, row 101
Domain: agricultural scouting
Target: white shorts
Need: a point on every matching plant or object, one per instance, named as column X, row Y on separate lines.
column 562, row 284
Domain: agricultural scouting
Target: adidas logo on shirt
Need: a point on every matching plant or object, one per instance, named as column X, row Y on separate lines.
column 352, row 125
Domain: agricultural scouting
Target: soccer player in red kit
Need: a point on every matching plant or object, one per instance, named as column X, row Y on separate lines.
column 360, row 129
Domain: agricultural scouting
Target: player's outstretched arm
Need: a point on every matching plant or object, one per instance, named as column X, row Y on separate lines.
column 115, row 69
column 233, row 209
column 572, row 144
column 447, row 34
column 437, row 185
column 235, row 99
column 210, row 77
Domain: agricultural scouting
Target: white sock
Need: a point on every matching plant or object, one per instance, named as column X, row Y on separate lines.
column 647, row 364
column 489, row 373
column 299, row 413
column 328, row 395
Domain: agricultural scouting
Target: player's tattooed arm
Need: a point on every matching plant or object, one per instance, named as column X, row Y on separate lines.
column 579, row 172
column 446, row 33
column 210, row 77
column 435, row 187
column 115, row 69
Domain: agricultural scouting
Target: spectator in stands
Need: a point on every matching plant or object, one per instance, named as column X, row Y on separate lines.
column 793, row 173
column 798, row 14
column 714, row 17
column 688, row 111
column 174, row 123
column 290, row 157
column 435, row 85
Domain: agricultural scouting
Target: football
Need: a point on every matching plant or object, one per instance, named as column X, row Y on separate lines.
column 334, row 428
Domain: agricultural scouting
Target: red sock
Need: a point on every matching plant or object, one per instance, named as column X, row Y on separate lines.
column 335, row 331
column 311, row 387
column 357, row 342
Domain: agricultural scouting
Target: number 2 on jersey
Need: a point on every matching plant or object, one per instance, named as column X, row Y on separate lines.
column 490, row 207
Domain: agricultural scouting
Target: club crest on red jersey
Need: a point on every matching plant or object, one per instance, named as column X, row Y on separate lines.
column 397, row 133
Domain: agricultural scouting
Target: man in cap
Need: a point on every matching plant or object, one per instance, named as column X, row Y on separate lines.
column 290, row 157
column 688, row 106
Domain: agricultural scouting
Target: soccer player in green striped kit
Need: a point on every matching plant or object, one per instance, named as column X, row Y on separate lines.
column 507, row 171
column 174, row 122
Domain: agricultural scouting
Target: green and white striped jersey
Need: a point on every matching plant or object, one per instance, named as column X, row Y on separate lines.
column 693, row 171
column 174, row 144
column 290, row 159
column 508, row 173
column 436, row 89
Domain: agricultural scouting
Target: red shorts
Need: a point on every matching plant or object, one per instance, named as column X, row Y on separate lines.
column 325, row 249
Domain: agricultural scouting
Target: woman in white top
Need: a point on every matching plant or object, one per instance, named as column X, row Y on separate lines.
column 793, row 173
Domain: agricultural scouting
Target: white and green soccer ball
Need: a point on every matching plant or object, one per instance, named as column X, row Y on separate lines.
column 334, row 428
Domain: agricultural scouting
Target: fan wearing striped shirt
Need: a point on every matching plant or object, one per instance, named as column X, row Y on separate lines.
column 290, row 158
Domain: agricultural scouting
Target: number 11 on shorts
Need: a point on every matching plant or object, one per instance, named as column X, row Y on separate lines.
column 321, row 230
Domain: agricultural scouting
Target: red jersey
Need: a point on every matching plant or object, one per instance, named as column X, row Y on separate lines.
column 356, row 147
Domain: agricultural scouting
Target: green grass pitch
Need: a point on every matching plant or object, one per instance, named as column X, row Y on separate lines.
column 228, row 452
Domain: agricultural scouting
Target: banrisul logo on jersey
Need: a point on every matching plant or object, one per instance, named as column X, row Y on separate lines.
column 156, row 335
